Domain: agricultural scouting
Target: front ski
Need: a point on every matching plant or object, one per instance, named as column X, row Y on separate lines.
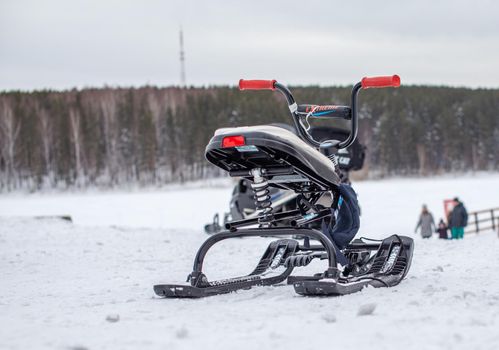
column 386, row 268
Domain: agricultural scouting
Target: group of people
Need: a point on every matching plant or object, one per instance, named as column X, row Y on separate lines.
column 457, row 221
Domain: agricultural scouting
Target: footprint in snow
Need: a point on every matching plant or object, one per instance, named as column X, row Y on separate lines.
column 113, row 318
column 77, row 347
column 329, row 318
column 366, row 309
column 182, row 333
column 478, row 322
column 429, row 289
column 467, row 294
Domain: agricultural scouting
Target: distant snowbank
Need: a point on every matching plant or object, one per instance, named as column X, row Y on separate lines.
column 388, row 205
column 129, row 188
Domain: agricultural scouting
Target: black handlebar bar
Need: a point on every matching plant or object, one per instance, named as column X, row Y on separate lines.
column 340, row 111
column 293, row 107
column 354, row 121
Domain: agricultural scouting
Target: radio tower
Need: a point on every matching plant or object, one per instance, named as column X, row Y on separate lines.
column 182, row 59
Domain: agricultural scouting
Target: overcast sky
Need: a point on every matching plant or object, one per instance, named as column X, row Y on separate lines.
column 74, row 43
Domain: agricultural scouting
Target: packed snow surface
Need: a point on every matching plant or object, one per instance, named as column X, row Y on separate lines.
column 88, row 284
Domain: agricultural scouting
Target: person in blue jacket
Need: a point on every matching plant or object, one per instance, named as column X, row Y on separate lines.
column 458, row 219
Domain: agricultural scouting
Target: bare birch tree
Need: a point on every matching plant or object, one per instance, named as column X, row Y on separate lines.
column 9, row 132
column 46, row 131
column 157, row 109
column 111, row 135
column 76, row 138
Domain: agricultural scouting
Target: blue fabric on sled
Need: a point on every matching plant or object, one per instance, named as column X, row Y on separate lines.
column 347, row 222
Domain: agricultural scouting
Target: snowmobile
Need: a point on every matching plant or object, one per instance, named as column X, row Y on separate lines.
column 242, row 204
column 273, row 157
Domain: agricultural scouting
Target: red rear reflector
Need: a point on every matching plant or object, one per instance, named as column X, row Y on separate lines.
column 233, row 141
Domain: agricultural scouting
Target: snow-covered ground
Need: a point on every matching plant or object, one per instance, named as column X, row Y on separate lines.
column 88, row 285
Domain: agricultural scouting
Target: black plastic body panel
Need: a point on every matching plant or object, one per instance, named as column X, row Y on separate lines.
column 272, row 151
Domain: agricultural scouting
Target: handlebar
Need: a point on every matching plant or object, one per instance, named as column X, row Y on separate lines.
column 365, row 83
column 257, row 84
column 380, row 82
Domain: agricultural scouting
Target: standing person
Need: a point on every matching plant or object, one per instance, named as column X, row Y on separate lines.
column 426, row 223
column 442, row 230
column 458, row 219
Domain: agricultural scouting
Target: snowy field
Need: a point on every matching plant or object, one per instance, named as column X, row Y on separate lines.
column 88, row 284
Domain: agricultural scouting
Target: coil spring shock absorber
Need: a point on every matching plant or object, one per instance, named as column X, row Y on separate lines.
column 328, row 149
column 342, row 174
column 263, row 202
column 334, row 160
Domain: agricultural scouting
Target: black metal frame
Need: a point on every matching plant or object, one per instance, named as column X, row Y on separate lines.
column 327, row 246
column 304, row 135
column 331, row 282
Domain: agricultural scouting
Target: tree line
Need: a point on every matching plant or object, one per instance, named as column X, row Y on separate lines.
column 150, row 136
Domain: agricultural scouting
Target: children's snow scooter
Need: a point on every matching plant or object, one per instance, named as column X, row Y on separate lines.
column 271, row 156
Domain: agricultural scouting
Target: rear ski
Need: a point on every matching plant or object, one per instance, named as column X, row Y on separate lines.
column 270, row 270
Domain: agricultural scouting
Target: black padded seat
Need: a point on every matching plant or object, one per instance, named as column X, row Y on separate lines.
column 278, row 139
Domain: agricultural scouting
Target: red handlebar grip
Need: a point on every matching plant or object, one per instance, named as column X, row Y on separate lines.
column 381, row 82
column 256, row 84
